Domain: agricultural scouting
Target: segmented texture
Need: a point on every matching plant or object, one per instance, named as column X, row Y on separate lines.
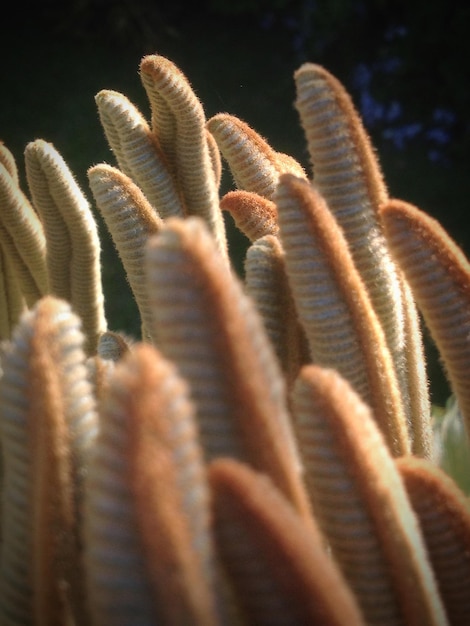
column 48, row 425
column 99, row 373
column 8, row 161
column 147, row 546
column 444, row 515
column 22, row 239
column 278, row 566
column 168, row 482
column 334, row 308
column 255, row 166
column 266, row 283
column 253, row 214
column 361, row 503
column 12, row 304
column 112, row 346
column 216, row 159
column 210, row 329
column 439, row 276
column 131, row 220
column 163, row 113
column 193, row 157
column 347, row 174
column 73, row 247
column 421, row 432
column 137, row 152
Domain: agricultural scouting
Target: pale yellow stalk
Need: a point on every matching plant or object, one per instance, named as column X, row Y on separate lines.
column 193, row 158
column 73, row 247
column 131, row 221
column 137, row 152
column 12, row 303
column 8, row 161
column 22, row 239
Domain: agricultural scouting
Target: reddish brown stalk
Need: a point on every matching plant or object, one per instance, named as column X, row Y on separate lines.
column 148, row 551
column 253, row 214
column 444, row 515
column 210, row 329
column 279, row 567
column 361, row 503
column 439, row 276
column 342, row 328
column 167, row 480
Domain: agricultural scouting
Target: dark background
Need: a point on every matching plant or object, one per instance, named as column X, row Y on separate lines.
column 404, row 62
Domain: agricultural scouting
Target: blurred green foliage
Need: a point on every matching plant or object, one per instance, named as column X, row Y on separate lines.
column 452, row 448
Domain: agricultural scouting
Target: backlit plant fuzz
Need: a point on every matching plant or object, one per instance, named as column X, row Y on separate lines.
column 148, row 427
column 262, row 539
column 251, row 458
column 347, row 174
column 137, row 152
column 131, row 220
column 443, row 512
column 362, row 504
column 191, row 153
column 22, row 239
column 334, row 306
column 253, row 214
column 254, row 164
column 73, row 249
column 211, row 330
column 48, row 425
column 439, row 275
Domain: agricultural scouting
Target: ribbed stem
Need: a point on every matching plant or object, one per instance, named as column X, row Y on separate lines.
column 137, row 153
column 22, row 239
column 255, row 166
column 266, row 282
column 131, row 221
column 439, row 276
column 334, row 308
column 420, row 404
column 193, row 158
column 12, row 304
column 148, row 551
column 8, row 161
column 444, row 515
column 48, row 426
column 278, row 566
column 347, row 174
column 210, row 329
column 73, row 247
column 361, row 503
